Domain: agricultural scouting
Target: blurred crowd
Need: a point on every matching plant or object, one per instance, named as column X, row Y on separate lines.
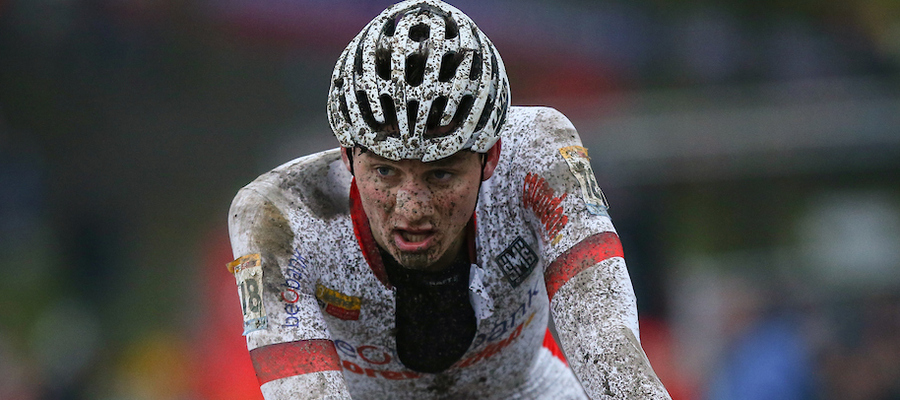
column 126, row 127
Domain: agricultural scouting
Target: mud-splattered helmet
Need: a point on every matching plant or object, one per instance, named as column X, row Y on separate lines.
column 420, row 81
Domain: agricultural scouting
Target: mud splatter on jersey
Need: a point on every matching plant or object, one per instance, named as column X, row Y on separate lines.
column 534, row 231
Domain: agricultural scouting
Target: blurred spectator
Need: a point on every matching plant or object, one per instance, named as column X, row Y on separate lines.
column 767, row 358
column 30, row 266
column 155, row 366
column 18, row 380
column 861, row 361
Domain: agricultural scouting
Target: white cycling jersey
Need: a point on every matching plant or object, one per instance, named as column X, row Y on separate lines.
column 319, row 310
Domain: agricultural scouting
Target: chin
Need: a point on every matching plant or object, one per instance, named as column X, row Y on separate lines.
column 415, row 261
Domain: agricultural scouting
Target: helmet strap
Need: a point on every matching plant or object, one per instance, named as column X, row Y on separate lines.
column 483, row 163
column 350, row 152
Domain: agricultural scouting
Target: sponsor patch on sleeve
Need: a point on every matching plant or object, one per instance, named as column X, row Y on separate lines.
column 338, row 304
column 580, row 165
column 541, row 198
column 247, row 272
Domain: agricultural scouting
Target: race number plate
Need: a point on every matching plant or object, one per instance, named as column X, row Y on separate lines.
column 580, row 165
column 247, row 271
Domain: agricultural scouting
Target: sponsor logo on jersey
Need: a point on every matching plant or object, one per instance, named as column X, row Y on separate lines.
column 338, row 304
column 498, row 339
column 540, row 198
column 294, row 274
column 372, row 373
column 580, row 165
column 371, row 361
column 247, row 272
column 517, row 261
column 495, row 348
column 382, row 362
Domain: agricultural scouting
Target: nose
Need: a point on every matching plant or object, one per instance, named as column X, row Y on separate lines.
column 414, row 202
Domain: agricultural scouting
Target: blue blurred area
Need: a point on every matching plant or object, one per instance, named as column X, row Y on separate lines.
column 750, row 151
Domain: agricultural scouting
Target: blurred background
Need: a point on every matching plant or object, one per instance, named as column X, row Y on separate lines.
column 750, row 150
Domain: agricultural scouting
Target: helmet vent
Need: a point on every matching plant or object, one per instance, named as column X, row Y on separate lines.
column 462, row 111
column 415, row 69
column 343, row 106
column 390, row 127
column 419, row 32
column 452, row 29
column 494, row 70
column 477, row 62
column 485, row 114
column 391, row 26
column 357, row 61
column 449, row 64
column 383, row 63
column 412, row 111
column 436, row 112
column 366, row 110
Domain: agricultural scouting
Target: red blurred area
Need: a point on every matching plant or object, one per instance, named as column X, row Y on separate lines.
column 656, row 339
column 224, row 369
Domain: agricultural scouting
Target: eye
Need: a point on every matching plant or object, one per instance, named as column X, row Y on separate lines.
column 441, row 175
column 384, row 171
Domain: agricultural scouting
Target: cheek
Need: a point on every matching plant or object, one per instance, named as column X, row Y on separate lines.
column 461, row 204
column 378, row 203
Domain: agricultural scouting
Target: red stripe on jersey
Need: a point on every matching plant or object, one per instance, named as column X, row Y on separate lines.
column 550, row 344
column 283, row 360
column 580, row 257
column 364, row 235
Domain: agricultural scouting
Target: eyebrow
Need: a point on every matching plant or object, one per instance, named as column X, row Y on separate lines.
column 444, row 162
column 449, row 161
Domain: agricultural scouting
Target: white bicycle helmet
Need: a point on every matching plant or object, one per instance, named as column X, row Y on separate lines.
column 420, row 81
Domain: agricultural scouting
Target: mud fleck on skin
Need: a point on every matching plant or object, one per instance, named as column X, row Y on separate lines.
column 432, row 202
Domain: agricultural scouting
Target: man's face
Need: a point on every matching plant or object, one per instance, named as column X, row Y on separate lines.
column 418, row 211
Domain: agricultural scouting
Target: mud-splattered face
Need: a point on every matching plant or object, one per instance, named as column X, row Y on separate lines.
column 418, row 211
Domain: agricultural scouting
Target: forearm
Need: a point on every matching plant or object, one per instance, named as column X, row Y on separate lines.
column 327, row 385
column 304, row 369
column 596, row 318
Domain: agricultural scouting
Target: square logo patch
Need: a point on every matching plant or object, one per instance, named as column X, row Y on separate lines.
column 517, row 261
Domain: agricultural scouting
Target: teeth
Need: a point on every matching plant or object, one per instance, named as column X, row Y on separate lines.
column 409, row 237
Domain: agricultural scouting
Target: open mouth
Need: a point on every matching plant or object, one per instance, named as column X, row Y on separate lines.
column 413, row 241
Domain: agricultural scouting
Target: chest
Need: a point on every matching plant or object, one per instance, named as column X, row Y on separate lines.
column 506, row 290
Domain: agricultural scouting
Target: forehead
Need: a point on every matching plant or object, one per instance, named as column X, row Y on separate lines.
column 459, row 159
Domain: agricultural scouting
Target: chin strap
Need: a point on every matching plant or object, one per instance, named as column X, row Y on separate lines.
column 483, row 164
column 350, row 159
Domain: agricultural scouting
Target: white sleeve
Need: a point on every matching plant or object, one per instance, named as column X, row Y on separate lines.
column 592, row 299
column 290, row 346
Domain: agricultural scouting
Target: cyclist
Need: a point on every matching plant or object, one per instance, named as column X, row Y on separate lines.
column 424, row 257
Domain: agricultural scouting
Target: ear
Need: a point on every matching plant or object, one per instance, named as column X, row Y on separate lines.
column 346, row 159
column 491, row 161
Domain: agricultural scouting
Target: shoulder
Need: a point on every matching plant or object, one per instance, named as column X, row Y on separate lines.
column 536, row 114
column 302, row 191
column 534, row 136
column 537, row 131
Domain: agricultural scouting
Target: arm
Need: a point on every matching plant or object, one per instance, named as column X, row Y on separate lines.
column 592, row 301
column 589, row 282
column 292, row 352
